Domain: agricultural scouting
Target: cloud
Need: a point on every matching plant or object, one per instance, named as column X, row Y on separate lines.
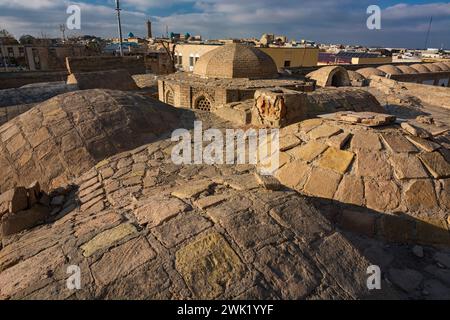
column 327, row 21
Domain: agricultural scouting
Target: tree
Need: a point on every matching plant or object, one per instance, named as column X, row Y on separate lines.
column 5, row 34
column 26, row 39
column 6, row 37
column 170, row 51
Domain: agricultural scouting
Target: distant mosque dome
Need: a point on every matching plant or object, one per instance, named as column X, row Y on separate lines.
column 131, row 35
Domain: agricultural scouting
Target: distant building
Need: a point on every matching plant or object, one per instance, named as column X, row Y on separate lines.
column 345, row 57
column 149, row 29
column 187, row 54
column 37, row 57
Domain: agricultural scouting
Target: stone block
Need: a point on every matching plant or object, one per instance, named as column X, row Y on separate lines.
column 192, row 189
column 209, row 266
column 324, row 131
column 322, row 183
column 308, row 151
column 366, row 141
column 351, row 190
column 157, row 210
column 15, row 199
column 293, row 174
column 407, row 166
column 373, row 164
column 415, row 131
column 336, row 160
column 108, row 238
column 382, row 195
column 426, row 145
column 421, row 196
column 397, row 143
column 16, row 222
column 339, row 141
column 436, row 164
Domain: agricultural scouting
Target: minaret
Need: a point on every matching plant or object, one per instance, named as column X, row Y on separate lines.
column 149, row 29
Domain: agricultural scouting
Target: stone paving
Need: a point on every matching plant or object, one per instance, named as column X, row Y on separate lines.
column 386, row 169
column 140, row 227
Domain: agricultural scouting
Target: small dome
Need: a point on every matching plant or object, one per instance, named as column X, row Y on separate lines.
column 408, row 70
column 443, row 66
column 390, row 69
column 421, row 68
column 355, row 76
column 236, row 61
column 131, row 35
column 367, row 72
column 433, row 67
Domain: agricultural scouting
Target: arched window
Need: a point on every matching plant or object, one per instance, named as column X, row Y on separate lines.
column 203, row 104
column 169, row 97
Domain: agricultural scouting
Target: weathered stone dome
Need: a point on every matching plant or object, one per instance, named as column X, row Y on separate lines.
column 63, row 137
column 421, row 68
column 433, row 67
column 408, row 70
column 236, row 61
column 367, row 72
column 443, row 66
column 390, row 69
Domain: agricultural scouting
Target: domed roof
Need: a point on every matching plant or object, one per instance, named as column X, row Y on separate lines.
column 236, row 61
column 408, row 70
column 63, row 137
column 390, row 69
column 447, row 63
column 433, row 67
column 355, row 76
column 443, row 66
column 367, row 72
column 420, row 68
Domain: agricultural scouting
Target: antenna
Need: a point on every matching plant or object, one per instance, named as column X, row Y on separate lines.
column 119, row 25
column 428, row 33
column 62, row 28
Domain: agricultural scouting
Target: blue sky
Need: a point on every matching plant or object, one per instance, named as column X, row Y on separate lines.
column 404, row 23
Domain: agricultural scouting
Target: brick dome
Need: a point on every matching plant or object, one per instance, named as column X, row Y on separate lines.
column 236, row 61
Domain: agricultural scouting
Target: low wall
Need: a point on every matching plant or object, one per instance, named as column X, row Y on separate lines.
column 433, row 95
column 134, row 64
column 112, row 79
column 17, row 79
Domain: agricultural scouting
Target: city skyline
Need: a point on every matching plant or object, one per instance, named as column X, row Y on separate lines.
column 403, row 24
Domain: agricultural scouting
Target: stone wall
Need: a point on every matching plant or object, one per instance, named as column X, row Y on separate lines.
column 433, row 95
column 111, row 79
column 134, row 65
column 17, row 79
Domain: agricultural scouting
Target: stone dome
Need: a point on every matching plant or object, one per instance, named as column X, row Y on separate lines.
column 367, row 72
column 408, row 70
column 63, row 137
column 355, row 76
column 433, row 67
column 390, row 69
column 443, row 66
column 420, row 68
column 236, row 61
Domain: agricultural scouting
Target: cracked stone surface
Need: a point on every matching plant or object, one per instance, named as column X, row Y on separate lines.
column 140, row 227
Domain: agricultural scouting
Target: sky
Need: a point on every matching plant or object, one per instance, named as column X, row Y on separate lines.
column 403, row 24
